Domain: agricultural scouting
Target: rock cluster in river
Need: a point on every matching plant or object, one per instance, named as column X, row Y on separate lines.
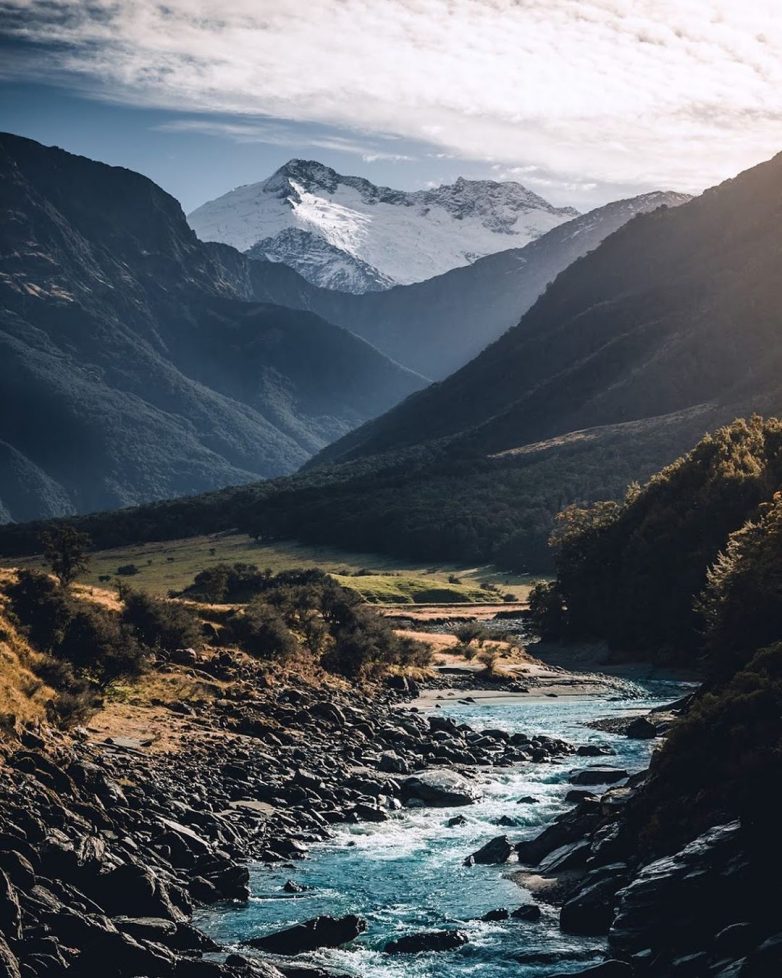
column 106, row 848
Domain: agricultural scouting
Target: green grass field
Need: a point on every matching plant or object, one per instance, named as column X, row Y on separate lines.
column 172, row 565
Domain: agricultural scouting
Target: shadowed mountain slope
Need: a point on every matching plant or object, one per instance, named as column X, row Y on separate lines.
column 670, row 328
column 436, row 326
column 678, row 308
column 133, row 364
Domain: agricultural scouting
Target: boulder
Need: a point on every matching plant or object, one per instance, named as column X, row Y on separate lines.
column 369, row 813
column 325, row 931
column 677, row 904
column 135, row 891
column 734, row 940
column 9, row 966
column 500, row 914
column 641, row 729
column 569, row 827
column 590, row 911
column 147, row 928
column 496, row 851
column 439, row 788
column 569, row 856
column 117, row 955
column 435, row 940
column 10, row 912
column 290, row 886
column 580, row 794
column 528, row 912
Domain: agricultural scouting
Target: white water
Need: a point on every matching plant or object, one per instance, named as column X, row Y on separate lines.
column 406, row 874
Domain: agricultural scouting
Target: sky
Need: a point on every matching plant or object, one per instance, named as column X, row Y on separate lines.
column 583, row 101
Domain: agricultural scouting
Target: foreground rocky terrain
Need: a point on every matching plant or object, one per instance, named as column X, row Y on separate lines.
column 108, row 842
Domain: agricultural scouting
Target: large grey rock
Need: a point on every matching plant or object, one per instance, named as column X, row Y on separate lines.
column 590, row 911
column 495, row 851
column 676, row 904
column 641, row 729
column 325, row 931
column 9, row 965
column 440, row 788
column 10, row 912
column 569, row 827
column 435, row 940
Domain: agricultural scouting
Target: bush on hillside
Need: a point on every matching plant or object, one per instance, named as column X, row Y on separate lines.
column 65, row 549
column 472, row 631
column 261, row 631
column 92, row 641
column 159, row 624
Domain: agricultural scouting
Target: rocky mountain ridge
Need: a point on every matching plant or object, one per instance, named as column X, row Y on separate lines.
column 357, row 237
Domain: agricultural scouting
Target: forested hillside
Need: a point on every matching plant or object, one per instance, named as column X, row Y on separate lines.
column 135, row 365
column 688, row 570
column 690, row 553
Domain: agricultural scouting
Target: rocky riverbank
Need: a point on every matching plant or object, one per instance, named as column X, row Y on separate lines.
column 708, row 909
column 109, row 841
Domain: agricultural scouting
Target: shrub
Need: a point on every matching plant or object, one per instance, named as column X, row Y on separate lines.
column 96, row 644
column 127, row 570
column 262, row 632
column 741, row 604
column 159, row 624
column 488, row 659
column 42, row 608
column 90, row 640
column 472, row 631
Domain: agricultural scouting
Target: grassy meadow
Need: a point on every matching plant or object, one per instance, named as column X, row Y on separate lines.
column 172, row 565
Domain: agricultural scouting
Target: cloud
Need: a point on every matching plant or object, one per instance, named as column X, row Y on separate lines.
column 640, row 92
column 278, row 134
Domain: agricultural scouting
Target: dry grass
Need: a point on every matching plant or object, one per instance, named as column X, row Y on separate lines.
column 23, row 696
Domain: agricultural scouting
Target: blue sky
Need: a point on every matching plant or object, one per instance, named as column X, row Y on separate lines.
column 196, row 165
column 581, row 101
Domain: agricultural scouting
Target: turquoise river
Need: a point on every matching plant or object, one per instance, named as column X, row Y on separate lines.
column 406, row 874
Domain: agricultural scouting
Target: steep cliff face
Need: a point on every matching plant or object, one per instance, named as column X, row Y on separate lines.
column 133, row 365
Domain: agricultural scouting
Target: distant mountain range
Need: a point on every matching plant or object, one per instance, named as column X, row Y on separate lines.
column 436, row 326
column 669, row 328
column 134, row 363
column 345, row 233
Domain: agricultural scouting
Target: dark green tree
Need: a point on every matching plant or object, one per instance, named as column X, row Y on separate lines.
column 65, row 549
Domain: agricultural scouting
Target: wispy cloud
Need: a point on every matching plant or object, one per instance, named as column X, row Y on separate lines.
column 278, row 134
column 647, row 92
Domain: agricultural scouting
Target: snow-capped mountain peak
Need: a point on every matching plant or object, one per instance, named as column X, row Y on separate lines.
column 346, row 233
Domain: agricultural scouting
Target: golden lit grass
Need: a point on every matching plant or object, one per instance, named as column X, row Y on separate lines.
column 172, row 565
column 23, row 696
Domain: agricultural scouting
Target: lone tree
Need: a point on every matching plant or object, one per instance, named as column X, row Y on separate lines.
column 65, row 549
